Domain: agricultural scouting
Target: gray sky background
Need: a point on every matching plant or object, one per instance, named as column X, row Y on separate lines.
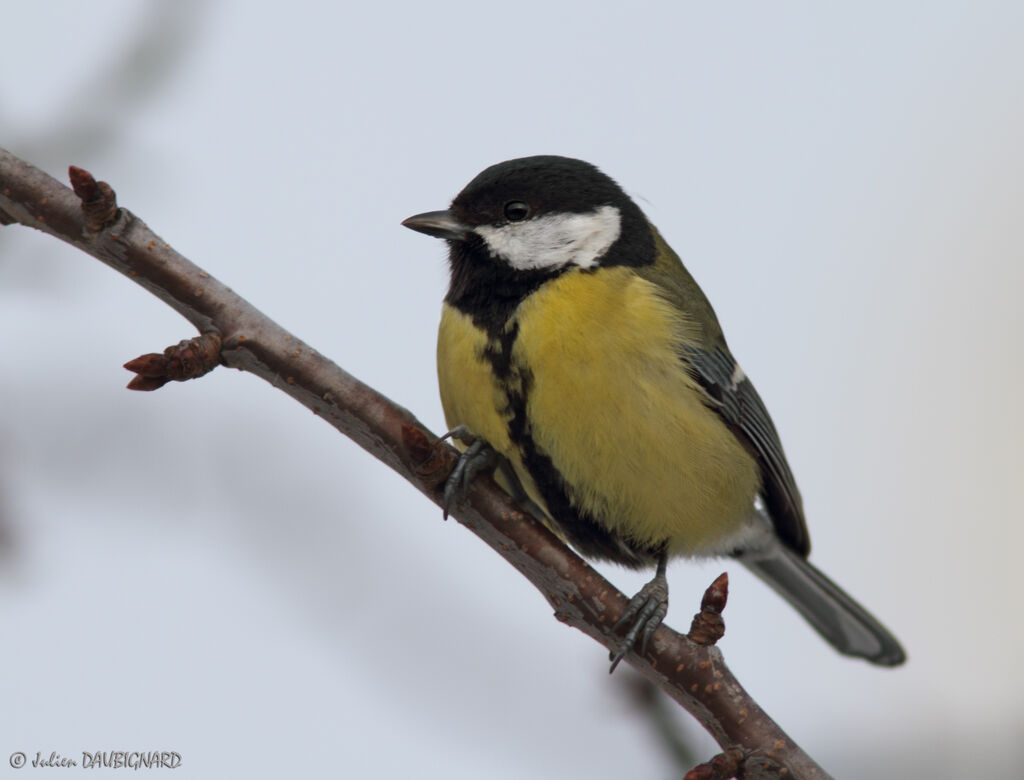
column 212, row 570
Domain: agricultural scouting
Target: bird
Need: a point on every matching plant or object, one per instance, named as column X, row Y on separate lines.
column 580, row 362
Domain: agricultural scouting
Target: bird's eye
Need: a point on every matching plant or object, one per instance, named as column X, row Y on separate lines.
column 516, row 211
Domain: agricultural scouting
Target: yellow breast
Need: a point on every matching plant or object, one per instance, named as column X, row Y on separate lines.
column 596, row 355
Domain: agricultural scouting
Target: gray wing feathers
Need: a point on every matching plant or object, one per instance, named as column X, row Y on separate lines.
column 733, row 396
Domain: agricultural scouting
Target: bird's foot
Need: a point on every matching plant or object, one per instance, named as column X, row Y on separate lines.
column 478, row 456
column 643, row 615
column 462, row 433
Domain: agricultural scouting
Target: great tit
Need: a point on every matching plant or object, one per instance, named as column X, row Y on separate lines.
column 575, row 347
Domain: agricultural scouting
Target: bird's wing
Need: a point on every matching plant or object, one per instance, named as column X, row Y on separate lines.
column 732, row 395
column 729, row 393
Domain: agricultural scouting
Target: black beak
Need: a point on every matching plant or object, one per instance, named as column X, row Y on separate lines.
column 439, row 224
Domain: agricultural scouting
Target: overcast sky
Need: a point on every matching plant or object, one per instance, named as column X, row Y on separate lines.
column 210, row 569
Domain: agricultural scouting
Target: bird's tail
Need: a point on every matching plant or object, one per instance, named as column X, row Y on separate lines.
column 844, row 623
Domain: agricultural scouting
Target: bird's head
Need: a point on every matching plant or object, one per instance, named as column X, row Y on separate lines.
column 526, row 220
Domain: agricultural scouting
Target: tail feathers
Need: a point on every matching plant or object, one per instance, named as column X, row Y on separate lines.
column 844, row 623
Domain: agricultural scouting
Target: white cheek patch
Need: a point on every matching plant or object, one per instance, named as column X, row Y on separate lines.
column 554, row 240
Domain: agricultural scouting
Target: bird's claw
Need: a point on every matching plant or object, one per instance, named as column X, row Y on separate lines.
column 462, row 433
column 477, row 457
column 644, row 614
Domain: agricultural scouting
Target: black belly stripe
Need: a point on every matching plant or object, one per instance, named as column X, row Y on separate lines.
column 585, row 533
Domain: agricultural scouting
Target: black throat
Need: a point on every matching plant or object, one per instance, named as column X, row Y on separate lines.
column 485, row 288
column 489, row 290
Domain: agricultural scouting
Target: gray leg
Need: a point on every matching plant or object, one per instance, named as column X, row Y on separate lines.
column 644, row 614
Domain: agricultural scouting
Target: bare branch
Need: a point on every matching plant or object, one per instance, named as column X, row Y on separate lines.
column 693, row 674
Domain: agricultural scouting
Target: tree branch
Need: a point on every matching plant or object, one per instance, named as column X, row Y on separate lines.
column 691, row 672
